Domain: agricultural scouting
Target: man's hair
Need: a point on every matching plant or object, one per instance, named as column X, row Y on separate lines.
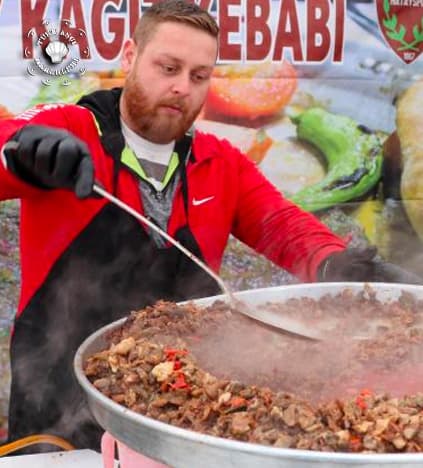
column 176, row 11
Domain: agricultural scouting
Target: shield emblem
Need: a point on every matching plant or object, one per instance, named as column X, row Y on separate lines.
column 401, row 23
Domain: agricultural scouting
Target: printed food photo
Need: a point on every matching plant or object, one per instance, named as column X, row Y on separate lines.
column 190, row 315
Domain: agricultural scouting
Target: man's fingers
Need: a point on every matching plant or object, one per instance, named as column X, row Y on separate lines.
column 51, row 158
column 45, row 155
column 363, row 255
column 66, row 161
column 85, row 178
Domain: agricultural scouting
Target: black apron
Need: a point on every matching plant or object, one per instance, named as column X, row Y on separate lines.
column 112, row 268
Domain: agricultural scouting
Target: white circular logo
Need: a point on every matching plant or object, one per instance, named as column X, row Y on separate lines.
column 57, row 54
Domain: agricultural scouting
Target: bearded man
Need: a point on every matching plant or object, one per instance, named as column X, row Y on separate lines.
column 86, row 262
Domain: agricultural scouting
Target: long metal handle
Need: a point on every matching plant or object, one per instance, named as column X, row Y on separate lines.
column 269, row 317
column 154, row 227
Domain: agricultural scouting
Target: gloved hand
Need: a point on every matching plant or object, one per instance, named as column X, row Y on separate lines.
column 357, row 264
column 50, row 158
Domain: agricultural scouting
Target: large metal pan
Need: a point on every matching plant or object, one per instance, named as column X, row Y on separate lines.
column 181, row 448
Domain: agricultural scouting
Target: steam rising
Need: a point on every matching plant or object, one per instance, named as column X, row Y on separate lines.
column 359, row 352
column 89, row 287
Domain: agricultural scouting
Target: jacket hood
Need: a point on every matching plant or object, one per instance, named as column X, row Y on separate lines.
column 104, row 104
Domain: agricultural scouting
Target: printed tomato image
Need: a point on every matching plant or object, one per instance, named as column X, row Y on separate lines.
column 251, row 90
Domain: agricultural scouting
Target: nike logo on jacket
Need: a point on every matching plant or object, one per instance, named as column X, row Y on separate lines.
column 200, row 201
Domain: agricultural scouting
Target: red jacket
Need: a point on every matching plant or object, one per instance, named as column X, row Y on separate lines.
column 87, row 262
column 241, row 202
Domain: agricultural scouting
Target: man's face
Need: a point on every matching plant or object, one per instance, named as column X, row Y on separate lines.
column 167, row 82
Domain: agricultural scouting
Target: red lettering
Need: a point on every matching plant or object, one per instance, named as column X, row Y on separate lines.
column 228, row 24
column 107, row 50
column 134, row 15
column 339, row 30
column 317, row 30
column 73, row 9
column 288, row 32
column 32, row 27
column 257, row 23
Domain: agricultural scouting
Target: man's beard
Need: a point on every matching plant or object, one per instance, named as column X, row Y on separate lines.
column 146, row 119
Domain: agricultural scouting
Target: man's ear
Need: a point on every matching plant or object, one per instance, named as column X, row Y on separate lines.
column 128, row 55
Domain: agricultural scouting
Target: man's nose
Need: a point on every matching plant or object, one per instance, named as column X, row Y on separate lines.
column 182, row 84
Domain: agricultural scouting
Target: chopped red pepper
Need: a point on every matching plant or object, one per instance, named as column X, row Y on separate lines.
column 237, row 402
column 359, row 401
column 177, row 365
column 180, row 382
column 172, row 353
column 355, row 442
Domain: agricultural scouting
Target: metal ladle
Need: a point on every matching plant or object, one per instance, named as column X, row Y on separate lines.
column 284, row 324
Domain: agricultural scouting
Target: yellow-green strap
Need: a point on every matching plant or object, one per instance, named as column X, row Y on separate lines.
column 171, row 168
column 129, row 159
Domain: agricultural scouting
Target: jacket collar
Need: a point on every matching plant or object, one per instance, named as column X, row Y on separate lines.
column 104, row 104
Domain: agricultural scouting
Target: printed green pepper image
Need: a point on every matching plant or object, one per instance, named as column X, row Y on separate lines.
column 352, row 152
column 57, row 92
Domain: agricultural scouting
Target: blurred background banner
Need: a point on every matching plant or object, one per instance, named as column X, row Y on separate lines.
column 318, row 93
column 278, row 62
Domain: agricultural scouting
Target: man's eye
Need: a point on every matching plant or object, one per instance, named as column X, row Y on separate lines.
column 199, row 77
column 168, row 68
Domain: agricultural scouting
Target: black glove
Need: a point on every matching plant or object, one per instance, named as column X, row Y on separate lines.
column 50, row 158
column 363, row 265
